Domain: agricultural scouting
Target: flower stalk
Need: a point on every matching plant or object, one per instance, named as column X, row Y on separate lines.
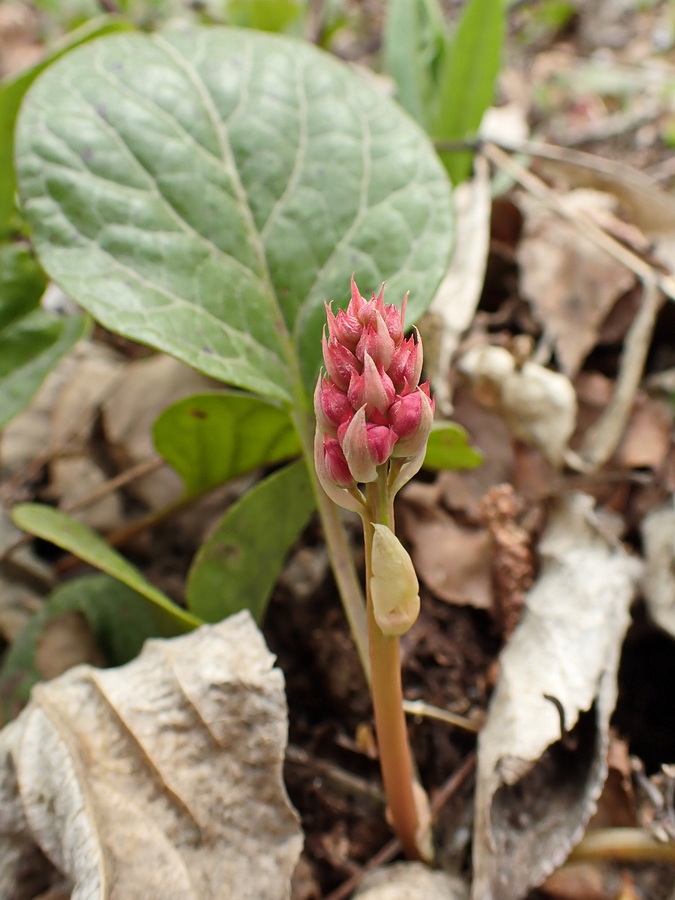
column 373, row 421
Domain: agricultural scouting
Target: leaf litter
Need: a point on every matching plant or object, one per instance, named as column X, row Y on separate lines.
column 577, row 307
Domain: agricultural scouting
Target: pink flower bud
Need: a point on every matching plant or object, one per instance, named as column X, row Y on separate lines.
column 344, row 327
column 354, row 441
column 381, row 442
column 373, row 389
column 406, row 365
column 394, row 319
column 412, row 417
column 335, row 464
column 331, row 405
column 376, row 342
column 340, row 362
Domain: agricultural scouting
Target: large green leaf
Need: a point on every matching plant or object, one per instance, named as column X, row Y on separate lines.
column 31, row 340
column 237, row 566
column 12, row 92
column 211, row 438
column 203, row 192
column 71, row 535
column 119, row 618
column 467, row 81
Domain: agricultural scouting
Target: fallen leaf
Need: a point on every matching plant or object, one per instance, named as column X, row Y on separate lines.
column 158, row 779
column 539, row 405
column 570, row 285
column 410, row 881
column 129, row 414
column 455, row 302
column 66, row 641
column 658, row 538
column 453, row 562
column 542, row 753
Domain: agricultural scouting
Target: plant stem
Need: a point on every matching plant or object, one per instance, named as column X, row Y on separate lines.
column 387, row 693
column 341, row 557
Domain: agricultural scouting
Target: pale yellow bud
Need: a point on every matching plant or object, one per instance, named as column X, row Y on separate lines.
column 394, row 588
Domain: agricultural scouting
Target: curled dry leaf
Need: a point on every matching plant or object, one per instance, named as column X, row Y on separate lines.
column 158, row 779
column 542, row 753
column 539, row 405
column 455, row 302
column 658, row 535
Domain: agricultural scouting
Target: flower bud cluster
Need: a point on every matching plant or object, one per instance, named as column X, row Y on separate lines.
column 369, row 404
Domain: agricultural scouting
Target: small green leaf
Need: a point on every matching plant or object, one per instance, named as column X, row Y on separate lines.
column 12, row 92
column 449, row 448
column 413, row 42
column 211, row 438
column 468, row 79
column 237, row 567
column 31, row 340
column 120, row 620
column 71, row 535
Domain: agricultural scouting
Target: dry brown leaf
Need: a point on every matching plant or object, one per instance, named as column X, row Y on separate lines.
column 542, row 762
column 158, row 779
column 129, row 414
column 569, row 283
column 452, row 561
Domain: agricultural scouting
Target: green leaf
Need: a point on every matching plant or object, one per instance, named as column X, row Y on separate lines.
column 22, row 283
column 237, row 567
column 211, row 438
column 12, row 92
column 204, row 191
column 413, row 42
column 120, row 620
column 69, row 534
column 31, row 340
column 265, row 15
column 448, row 448
column 468, row 79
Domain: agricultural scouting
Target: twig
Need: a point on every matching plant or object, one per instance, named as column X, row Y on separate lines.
column 602, row 438
column 595, row 234
column 345, row 781
column 421, row 708
column 393, row 848
column 102, row 490
column 626, row 844
column 137, row 471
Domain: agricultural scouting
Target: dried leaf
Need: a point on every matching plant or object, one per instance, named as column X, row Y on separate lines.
column 158, row 779
column 456, row 299
column 658, row 536
column 539, row 405
column 539, row 777
column 570, row 285
column 410, row 881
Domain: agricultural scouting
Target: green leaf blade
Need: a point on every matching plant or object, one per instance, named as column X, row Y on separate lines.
column 468, row 79
column 31, row 340
column 204, row 192
column 237, row 567
column 212, row 438
column 71, row 535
